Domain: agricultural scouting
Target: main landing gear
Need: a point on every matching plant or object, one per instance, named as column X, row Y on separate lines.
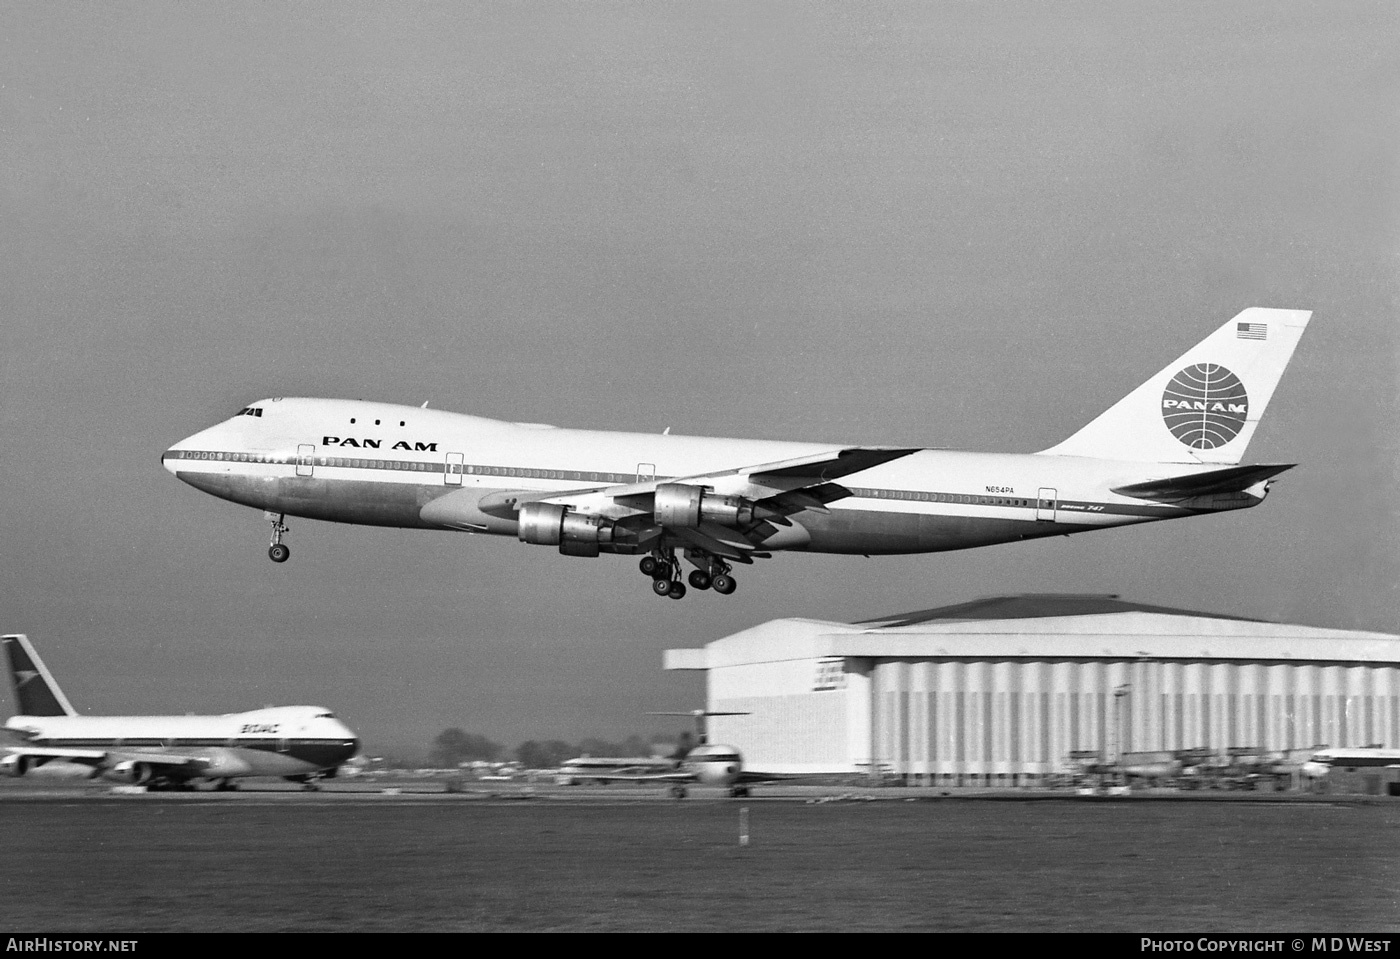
column 664, row 570
column 278, row 551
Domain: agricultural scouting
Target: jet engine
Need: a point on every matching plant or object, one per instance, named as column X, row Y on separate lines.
column 576, row 534
column 130, row 772
column 679, row 504
column 14, row 765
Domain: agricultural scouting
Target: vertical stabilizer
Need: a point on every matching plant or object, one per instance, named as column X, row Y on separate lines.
column 1204, row 407
column 36, row 693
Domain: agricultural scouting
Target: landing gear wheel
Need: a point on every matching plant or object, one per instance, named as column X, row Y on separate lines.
column 661, row 587
column 648, row 566
column 277, row 551
column 700, row 579
column 677, row 792
column 724, row 584
column 677, row 590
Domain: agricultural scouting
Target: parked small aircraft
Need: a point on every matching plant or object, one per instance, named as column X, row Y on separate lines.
column 708, row 764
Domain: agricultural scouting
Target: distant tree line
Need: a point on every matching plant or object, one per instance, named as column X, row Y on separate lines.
column 454, row 746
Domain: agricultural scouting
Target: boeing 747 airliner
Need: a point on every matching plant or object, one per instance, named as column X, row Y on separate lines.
column 1169, row 449
column 298, row 743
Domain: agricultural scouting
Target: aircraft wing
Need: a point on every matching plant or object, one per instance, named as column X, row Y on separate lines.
column 623, row 776
column 776, row 489
column 103, row 758
column 748, row 778
column 768, row 480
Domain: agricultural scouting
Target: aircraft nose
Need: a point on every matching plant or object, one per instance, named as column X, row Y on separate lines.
column 214, row 438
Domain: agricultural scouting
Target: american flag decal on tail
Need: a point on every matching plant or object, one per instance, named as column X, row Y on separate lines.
column 1253, row 331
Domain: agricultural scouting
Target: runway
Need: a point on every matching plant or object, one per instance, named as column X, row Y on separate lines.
column 80, row 858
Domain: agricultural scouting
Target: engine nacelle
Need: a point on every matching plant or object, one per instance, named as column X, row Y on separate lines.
column 130, row 772
column 576, row 534
column 14, row 765
column 679, row 504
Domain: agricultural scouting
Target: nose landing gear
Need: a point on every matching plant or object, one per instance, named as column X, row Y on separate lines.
column 278, row 551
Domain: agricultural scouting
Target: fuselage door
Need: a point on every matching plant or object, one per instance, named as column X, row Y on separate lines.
column 1045, row 505
column 306, row 459
column 646, row 472
column 452, row 476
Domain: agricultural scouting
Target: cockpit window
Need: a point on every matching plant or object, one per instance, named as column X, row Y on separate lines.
column 325, row 715
column 250, row 411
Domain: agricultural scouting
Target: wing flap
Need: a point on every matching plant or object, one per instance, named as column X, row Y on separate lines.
column 727, row 547
column 808, row 497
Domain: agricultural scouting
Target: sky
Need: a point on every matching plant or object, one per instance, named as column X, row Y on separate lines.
column 934, row 224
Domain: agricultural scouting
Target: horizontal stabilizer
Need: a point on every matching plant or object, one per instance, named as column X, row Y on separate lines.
column 1236, row 479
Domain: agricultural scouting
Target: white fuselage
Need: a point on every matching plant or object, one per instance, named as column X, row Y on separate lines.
column 715, row 764
column 710, row 764
column 1324, row 761
column 276, row 741
column 352, row 461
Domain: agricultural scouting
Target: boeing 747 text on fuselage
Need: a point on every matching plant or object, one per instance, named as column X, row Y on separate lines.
column 1171, row 448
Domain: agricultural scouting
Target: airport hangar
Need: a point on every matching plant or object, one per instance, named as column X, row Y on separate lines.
column 1001, row 691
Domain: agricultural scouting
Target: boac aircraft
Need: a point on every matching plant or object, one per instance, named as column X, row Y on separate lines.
column 1169, row 449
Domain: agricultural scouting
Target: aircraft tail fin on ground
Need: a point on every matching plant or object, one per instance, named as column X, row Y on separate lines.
column 1202, row 408
column 36, row 692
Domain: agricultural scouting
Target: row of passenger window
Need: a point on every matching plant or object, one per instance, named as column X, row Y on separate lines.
column 343, row 462
column 229, row 457
column 581, row 476
column 171, row 743
column 920, row 496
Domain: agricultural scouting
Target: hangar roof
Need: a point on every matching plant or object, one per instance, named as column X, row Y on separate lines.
column 1045, row 627
column 1036, row 606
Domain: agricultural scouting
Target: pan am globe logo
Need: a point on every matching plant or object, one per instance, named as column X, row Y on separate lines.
column 1205, row 406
